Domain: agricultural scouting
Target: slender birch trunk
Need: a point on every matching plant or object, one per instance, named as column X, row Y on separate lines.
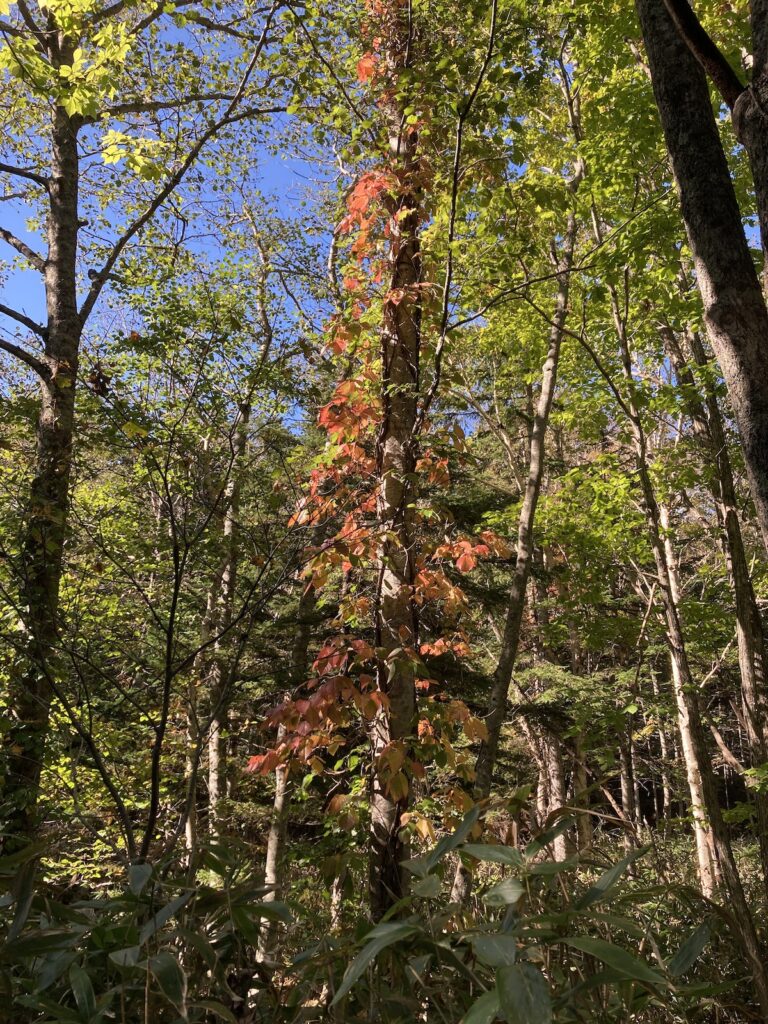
column 502, row 676
column 713, row 844
column 276, row 837
column 219, row 695
column 709, row 429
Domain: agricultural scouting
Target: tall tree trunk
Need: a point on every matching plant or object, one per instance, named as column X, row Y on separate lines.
column 218, row 675
column 31, row 691
column 580, row 783
column 666, row 782
column 196, row 682
column 734, row 308
column 708, row 427
column 746, row 103
column 280, row 804
column 502, row 676
column 497, row 704
column 708, row 874
column 395, row 616
column 581, row 797
column 627, row 779
column 715, row 851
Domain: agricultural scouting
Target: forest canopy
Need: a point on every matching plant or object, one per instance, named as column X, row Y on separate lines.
column 383, row 511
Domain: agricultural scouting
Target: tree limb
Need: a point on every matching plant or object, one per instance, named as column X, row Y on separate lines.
column 144, row 107
column 26, row 357
column 7, row 29
column 705, row 50
column 21, row 247
column 26, row 321
column 23, row 172
column 228, row 118
column 32, row 25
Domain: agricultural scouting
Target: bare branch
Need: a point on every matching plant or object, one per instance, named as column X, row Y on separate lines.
column 455, row 178
column 172, row 183
column 26, row 321
column 141, row 107
column 21, row 247
column 200, row 19
column 26, row 357
column 31, row 24
column 7, row 29
column 110, row 12
column 24, row 172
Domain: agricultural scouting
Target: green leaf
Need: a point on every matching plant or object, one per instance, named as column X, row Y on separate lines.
column 495, row 950
column 428, row 887
column 619, row 959
column 128, row 957
column 552, row 867
column 165, row 913
column 524, row 995
column 608, row 879
column 383, row 935
column 53, row 967
column 24, row 890
column 542, row 841
column 508, row 890
column 39, row 943
column 138, row 876
column 82, row 989
column 508, row 855
column 690, row 951
column 221, row 1011
column 484, row 1010
column 448, row 843
column 170, row 977
column 131, row 429
column 199, row 943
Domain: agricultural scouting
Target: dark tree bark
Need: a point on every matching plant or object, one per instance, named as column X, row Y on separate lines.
column 734, row 308
column 32, row 687
column 746, row 103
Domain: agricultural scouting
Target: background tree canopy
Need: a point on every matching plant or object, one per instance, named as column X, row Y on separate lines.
column 383, row 511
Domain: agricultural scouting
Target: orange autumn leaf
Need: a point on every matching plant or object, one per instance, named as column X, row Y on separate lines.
column 366, row 67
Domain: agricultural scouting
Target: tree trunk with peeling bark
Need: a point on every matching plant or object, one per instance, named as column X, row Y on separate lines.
column 396, row 620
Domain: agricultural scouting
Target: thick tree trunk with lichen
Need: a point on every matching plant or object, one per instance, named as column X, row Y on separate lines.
column 32, row 686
